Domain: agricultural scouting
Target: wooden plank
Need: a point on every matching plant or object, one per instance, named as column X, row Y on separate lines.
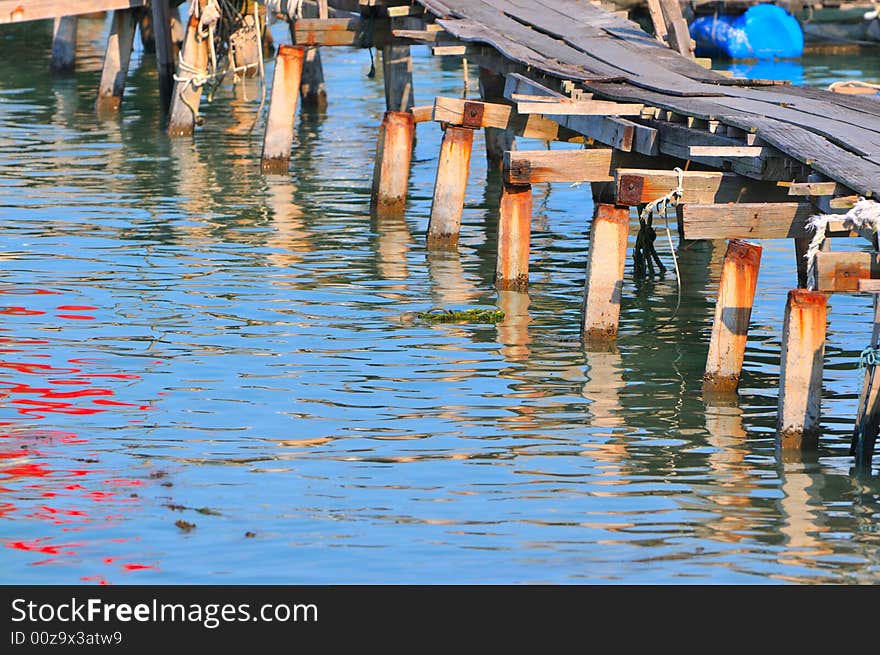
column 580, row 108
column 869, row 286
column 813, row 188
column 451, row 110
column 636, row 186
column 423, row 113
column 618, row 133
column 17, row 11
column 746, row 220
column 726, row 151
column 841, row 271
column 534, row 166
column 676, row 26
column 354, row 32
column 656, row 13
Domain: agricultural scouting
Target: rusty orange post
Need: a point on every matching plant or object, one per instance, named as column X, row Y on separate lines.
column 604, row 279
column 514, row 233
column 800, row 379
column 733, row 311
column 449, row 188
column 391, row 167
column 278, row 139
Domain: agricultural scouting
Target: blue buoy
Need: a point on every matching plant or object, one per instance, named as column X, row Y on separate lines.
column 762, row 32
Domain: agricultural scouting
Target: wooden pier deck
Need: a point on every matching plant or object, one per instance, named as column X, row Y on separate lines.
column 737, row 159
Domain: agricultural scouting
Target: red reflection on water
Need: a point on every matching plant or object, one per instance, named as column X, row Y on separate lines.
column 49, row 477
column 76, row 317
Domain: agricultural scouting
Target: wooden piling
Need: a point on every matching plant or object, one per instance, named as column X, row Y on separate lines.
column 733, row 310
column 160, row 14
column 868, row 416
column 604, row 276
column 313, row 90
column 391, row 167
column 498, row 141
column 514, row 234
column 800, row 380
column 188, row 89
column 449, row 188
column 116, row 60
column 397, row 72
column 246, row 48
column 278, row 139
column 148, row 35
column 64, row 44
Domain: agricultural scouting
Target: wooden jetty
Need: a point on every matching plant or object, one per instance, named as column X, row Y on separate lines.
column 738, row 160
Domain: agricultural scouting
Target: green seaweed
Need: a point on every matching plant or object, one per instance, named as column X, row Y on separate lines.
column 439, row 315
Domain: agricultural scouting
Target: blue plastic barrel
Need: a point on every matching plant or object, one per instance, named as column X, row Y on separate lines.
column 762, row 32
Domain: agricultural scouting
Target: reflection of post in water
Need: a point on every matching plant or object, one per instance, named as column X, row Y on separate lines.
column 513, row 331
column 195, row 183
column 801, row 508
column 290, row 238
column 729, row 473
column 602, row 388
column 393, row 241
column 449, row 285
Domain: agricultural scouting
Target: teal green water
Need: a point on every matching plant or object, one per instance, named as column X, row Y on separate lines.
column 184, row 339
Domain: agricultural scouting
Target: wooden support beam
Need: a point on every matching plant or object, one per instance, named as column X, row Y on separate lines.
column 812, row 188
column 313, row 90
column 657, row 20
column 449, row 188
column 187, row 96
column 800, row 379
column 422, row 113
column 776, row 220
column 278, row 139
column 64, row 44
column 397, row 73
column 392, row 164
column 868, row 416
column 116, row 59
column 501, row 116
column 733, row 311
column 679, row 35
column 727, row 151
column 353, row 32
column 566, row 106
column 842, row 271
column 639, row 186
column 17, row 11
column 619, row 133
column 161, row 21
column 514, row 234
column 498, row 141
column 534, row 166
column 604, row 275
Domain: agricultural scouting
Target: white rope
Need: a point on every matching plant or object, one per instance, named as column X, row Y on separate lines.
column 864, row 218
column 209, row 17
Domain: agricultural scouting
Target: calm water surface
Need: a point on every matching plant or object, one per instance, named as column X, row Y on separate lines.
column 184, row 339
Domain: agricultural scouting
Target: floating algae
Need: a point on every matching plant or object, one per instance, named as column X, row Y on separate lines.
column 440, row 315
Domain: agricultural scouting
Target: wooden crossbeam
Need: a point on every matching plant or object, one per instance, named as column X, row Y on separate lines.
column 726, row 151
column 766, row 220
column 810, row 188
column 636, row 186
column 619, row 133
column 579, row 107
column 353, row 32
column 843, row 271
column 17, row 11
column 501, row 116
column 534, row 166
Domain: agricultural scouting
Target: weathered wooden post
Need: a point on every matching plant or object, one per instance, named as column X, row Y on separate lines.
column 188, row 89
column 733, row 310
column 450, row 186
column 800, row 380
column 313, row 91
column 64, row 44
column 498, row 141
column 397, row 73
column 391, row 167
column 868, row 417
column 245, row 46
column 278, row 139
column 604, row 278
column 514, row 234
column 116, row 60
column 160, row 19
